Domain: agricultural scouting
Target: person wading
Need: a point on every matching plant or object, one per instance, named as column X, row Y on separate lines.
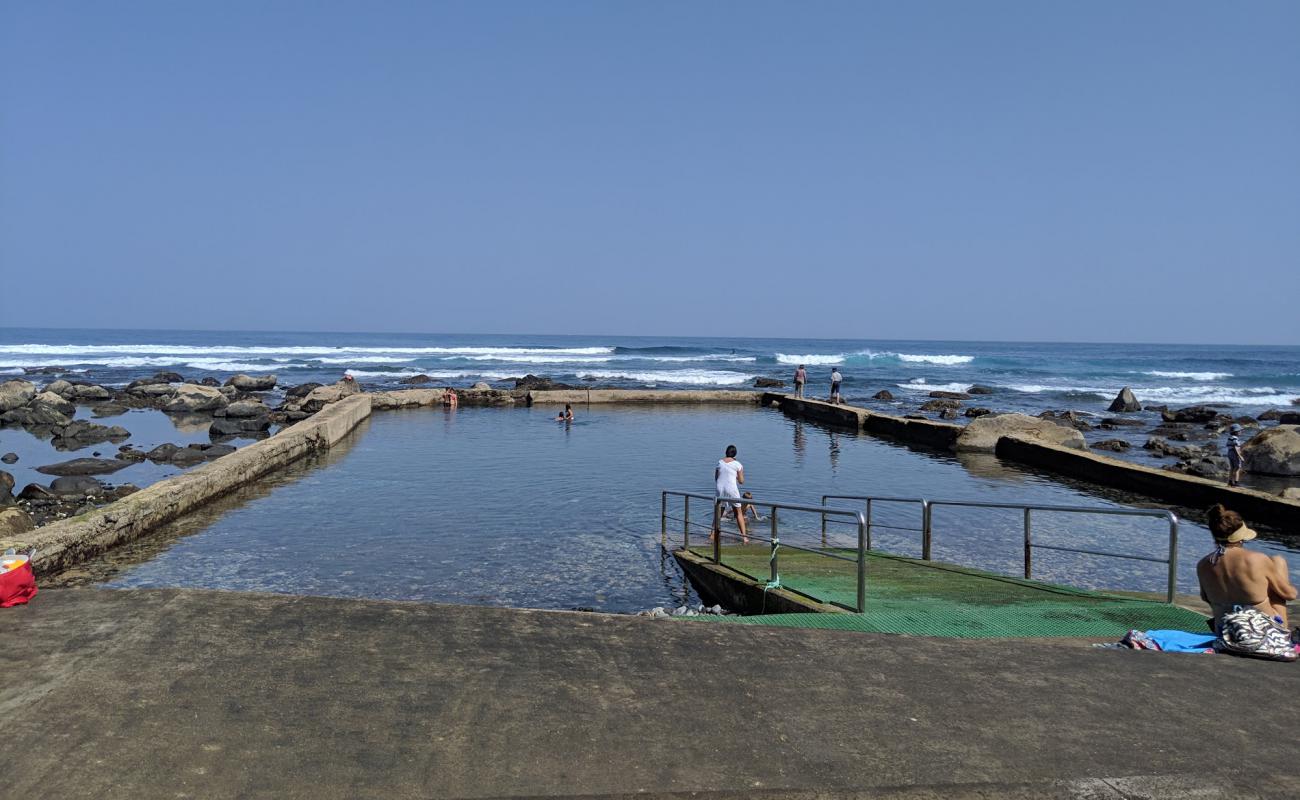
column 800, row 378
column 836, row 380
column 727, row 478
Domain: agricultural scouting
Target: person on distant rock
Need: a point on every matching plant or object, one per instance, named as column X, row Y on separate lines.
column 727, row 478
column 566, row 415
column 800, row 378
column 836, row 380
column 1248, row 591
column 1234, row 455
column 449, row 398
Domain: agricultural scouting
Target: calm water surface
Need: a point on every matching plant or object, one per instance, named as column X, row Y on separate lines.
column 508, row 507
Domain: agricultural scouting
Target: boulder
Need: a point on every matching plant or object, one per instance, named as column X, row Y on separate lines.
column 9, row 458
column 1114, row 445
column 245, row 408
column 77, row 485
column 1124, row 402
column 949, row 395
column 1213, row 467
column 1275, row 451
column 977, row 389
column 237, row 427
column 978, row 411
column 417, row 379
column 84, row 466
column 1072, row 418
column 6, row 489
column 162, row 452
column 982, row 434
column 59, row 387
column 87, row 393
column 1271, row 415
column 154, row 390
column 480, row 387
column 883, row 394
column 1120, row 422
column 1289, row 418
column 210, row 381
column 249, row 383
column 191, row 397
column 322, row 396
column 157, row 378
column 1153, row 407
column 940, row 404
column 80, row 433
column 35, row 416
column 14, row 521
column 54, row 401
column 188, row 457
column 1191, row 414
column 34, row 492
column 16, row 394
column 948, row 413
column 301, row 390
column 768, row 383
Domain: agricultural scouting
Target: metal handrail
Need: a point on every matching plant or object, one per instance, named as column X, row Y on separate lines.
column 775, row 540
column 927, row 523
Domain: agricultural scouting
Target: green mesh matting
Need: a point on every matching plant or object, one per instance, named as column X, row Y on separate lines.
column 924, row 598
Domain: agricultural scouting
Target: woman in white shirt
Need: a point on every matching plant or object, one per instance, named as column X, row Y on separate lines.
column 727, row 477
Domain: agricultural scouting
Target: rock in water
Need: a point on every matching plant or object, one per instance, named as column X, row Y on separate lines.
column 248, row 383
column 942, row 395
column 768, row 383
column 1125, row 402
column 322, row 396
column 192, row 397
column 416, row 379
column 15, row 394
column 978, row 411
column 883, row 394
column 84, row 466
column 978, row 389
column 1274, row 452
column 246, row 408
column 77, row 485
column 9, row 458
column 1114, row 445
column 1192, row 414
column 940, row 404
column 981, row 435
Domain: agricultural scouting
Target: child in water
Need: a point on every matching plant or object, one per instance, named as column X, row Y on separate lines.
column 567, row 415
column 748, row 508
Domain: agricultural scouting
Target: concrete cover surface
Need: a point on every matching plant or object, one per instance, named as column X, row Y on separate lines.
column 184, row 693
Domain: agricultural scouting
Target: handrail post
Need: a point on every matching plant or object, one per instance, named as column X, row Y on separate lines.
column 1029, row 545
column 776, row 541
column 863, row 535
column 824, row 522
column 868, row 524
column 686, row 522
column 717, row 532
column 1173, row 557
column 925, row 530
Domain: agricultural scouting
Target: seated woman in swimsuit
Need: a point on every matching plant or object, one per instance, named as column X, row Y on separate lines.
column 1234, row 576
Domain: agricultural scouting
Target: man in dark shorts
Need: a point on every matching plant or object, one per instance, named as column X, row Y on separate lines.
column 836, row 380
column 1234, row 456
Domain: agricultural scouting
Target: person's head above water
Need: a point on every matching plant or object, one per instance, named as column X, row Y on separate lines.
column 1227, row 526
column 731, row 451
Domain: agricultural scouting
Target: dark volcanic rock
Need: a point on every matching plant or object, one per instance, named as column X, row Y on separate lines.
column 977, row 389
column 1270, row 415
column 416, row 379
column 768, row 383
column 35, row 492
column 6, row 489
column 244, row 408
column 1116, row 445
column 1289, row 418
column 77, row 485
column 1192, row 414
column 1124, row 402
column 941, row 395
column 883, row 394
column 1121, row 422
column 35, row 416
column 9, row 458
column 80, row 434
column 210, row 381
column 186, row 457
column 162, row 452
column 228, row 426
column 84, row 466
column 978, row 411
column 948, row 413
column 1153, row 407
column 940, row 404
column 301, row 390
column 1071, row 418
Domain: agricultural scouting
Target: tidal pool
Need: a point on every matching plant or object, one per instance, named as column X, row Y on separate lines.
column 509, row 507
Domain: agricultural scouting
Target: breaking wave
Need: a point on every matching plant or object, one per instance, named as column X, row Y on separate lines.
column 690, row 377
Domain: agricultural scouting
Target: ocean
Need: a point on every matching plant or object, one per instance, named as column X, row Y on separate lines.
column 1027, row 377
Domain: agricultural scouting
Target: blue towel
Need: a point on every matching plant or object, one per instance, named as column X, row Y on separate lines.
column 1182, row 641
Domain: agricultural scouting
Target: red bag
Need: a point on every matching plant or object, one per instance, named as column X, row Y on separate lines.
column 17, row 586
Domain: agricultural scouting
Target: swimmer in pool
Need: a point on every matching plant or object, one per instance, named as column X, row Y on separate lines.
column 567, row 416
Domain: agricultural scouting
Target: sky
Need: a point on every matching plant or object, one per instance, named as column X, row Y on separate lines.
column 998, row 170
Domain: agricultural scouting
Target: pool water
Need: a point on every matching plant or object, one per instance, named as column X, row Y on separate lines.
column 509, row 507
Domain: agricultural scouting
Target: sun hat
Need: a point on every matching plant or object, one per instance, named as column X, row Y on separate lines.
column 1242, row 534
column 1234, row 428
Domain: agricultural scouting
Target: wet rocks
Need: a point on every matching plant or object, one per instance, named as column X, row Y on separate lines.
column 243, row 408
column 156, row 379
column 940, row 404
column 982, row 434
column 1072, row 418
column 416, row 380
column 301, row 390
column 533, row 382
column 883, row 394
column 768, row 383
column 83, row 466
column 6, row 489
column 190, row 397
column 248, row 383
column 53, row 401
column 978, row 411
column 79, row 485
column 941, row 395
column 978, row 389
column 1289, row 418
column 1124, row 402
column 9, row 458
column 1275, row 451
column 1212, row 467
column 35, row 416
column 14, row 521
column 238, row 426
column 948, row 413
column 1192, row 414
column 85, row 393
column 1110, row 423
column 1114, row 445
column 16, row 394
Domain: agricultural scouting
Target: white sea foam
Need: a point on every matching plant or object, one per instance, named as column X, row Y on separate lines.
column 692, row 377
column 782, row 358
column 711, row 357
column 919, row 385
column 943, row 361
column 532, row 359
column 11, row 371
column 1194, row 376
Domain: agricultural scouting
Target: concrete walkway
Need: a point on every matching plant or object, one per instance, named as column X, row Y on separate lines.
column 169, row 693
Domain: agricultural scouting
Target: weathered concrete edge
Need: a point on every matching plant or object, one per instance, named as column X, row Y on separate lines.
column 942, row 435
column 737, row 591
column 67, row 542
column 602, row 396
column 406, row 398
column 1162, row 484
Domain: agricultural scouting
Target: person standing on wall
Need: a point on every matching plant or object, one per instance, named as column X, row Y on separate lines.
column 1234, row 455
column 727, row 478
column 800, row 378
column 836, row 380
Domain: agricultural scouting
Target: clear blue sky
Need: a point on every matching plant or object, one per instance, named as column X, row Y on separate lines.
column 1110, row 171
